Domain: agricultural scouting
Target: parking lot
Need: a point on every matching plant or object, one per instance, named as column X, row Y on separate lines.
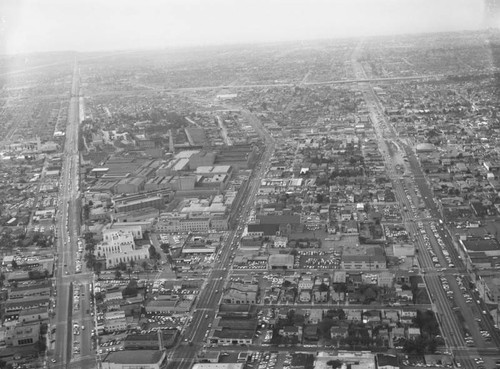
column 317, row 260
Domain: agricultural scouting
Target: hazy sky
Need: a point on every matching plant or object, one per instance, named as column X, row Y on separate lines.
column 86, row 25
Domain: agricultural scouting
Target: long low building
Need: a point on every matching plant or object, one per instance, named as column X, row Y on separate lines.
column 135, row 359
column 165, row 306
column 371, row 259
column 41, row 288
column 219, row 366
column 151, row 341
column 20, row 304
column 233, row 331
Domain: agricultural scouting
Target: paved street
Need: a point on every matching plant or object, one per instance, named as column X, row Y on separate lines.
column 208, row 300
column 194, row 336
column 68, row 227
column 66, row 230
column 442, row 305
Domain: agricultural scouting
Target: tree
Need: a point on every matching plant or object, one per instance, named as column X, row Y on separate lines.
column 334, row 363
column 132, row 289
column 88, row 236
column 97, row 268
column 323, row 288
column 86, row 212
column 324, row 327
column 6, row 241
column 370, row 294
column 426, row 321
column 35, row 274
column 165, row 247
column 340, row 287
column 118, row 274
column 153, row 254
column 40, row 345
column 90, row 260
column 335, row 313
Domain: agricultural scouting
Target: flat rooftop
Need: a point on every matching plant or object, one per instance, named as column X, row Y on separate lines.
column 134, row 357
column 481, row 244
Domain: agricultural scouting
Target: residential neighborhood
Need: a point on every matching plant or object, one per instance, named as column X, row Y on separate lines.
column 336, row 207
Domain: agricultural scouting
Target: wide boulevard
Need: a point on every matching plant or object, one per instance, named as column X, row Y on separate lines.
column 68, row 228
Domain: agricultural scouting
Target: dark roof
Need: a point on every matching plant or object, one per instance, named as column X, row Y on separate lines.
column 279, row 219
column 142, row 337
column 33, row 311
column 310, row 329
column 134, row 357
column 23, row 304
column 238, row 324
column 240, row 308
column 383, row 360
column 480, row 244
column 267, row 229
column 32, row 286
column 302, row 360
column 233, row 333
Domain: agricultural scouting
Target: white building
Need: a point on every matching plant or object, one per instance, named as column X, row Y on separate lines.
column 134, row 230
column 119, row 247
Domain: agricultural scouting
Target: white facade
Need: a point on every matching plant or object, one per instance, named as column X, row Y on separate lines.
column 134, row 230
column 183, row 225
column 119, row 247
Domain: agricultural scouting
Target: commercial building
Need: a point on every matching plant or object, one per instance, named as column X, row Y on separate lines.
column 41, row 288
column 115, row 321
column 233, row 331
column 385, row 361
column 372, row 259
column 147, row 214
column 238, row 293
column 151, row 341
column 281, row 261
column 169, row 306
column 219, row 366
column 34, row 315
column 130, row 185
column 239, row 156
column 352, row 359
column 135, row 359
column 480, row 252
column 156, row 201
column 22, row 334
column 183, row 223
column 201, row 158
